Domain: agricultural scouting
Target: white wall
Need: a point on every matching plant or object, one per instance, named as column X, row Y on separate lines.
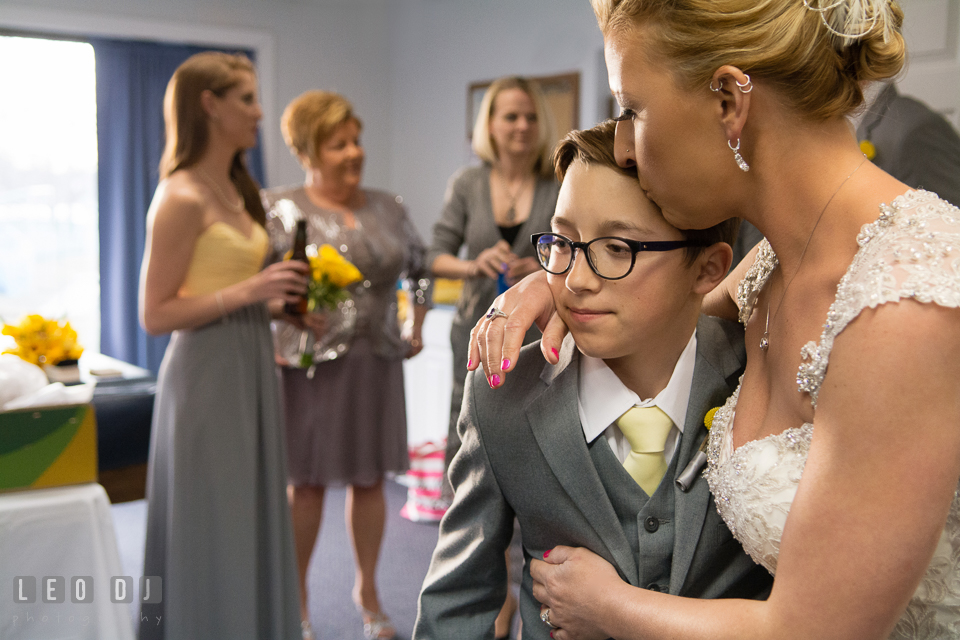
column 441, row 46
column 931, row 29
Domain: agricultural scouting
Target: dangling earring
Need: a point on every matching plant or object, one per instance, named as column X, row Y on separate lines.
column 736, row 156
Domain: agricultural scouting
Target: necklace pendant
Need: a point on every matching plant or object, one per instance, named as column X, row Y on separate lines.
column 764, row 341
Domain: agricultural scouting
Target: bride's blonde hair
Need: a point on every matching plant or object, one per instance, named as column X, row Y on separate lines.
column 817, row 53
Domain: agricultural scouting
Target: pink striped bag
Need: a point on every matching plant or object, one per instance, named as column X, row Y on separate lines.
column 424, row 482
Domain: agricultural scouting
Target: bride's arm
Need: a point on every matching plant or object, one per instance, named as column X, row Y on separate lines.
column 496, row 342
column 879, row 480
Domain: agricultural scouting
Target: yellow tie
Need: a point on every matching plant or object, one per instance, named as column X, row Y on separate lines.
column 646, row 429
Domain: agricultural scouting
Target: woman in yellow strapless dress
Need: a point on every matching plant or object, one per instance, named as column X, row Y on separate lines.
column 218, row 525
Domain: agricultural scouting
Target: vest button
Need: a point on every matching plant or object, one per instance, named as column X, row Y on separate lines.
column 651, row 524
column 653, row 586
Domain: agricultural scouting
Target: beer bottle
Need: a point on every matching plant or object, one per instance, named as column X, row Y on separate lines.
column 299, row 307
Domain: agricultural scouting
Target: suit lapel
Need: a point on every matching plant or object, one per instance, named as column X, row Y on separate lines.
column 554, row 419
column 714, row 365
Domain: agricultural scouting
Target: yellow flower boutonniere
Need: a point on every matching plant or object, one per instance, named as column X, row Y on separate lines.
column 708, row 419
column 691, row 472
column 868, row 149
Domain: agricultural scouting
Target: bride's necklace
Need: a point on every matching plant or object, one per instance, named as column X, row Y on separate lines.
column 233, row 206
column 511, row 214
column 765, row 340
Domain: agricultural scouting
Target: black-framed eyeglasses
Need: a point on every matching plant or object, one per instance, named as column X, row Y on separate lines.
column 609, row 257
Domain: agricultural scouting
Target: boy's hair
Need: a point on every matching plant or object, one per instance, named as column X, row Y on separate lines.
column 595, row 146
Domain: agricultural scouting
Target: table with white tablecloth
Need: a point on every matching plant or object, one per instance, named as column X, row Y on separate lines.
column 63, row 532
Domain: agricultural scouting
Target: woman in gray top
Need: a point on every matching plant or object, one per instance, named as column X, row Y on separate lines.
column 492, row 210
column 345, row 415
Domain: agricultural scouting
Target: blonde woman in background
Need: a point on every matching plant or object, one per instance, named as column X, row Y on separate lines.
column 346, row 417
column 837, row 462
column 218, row 525
column 492, row 210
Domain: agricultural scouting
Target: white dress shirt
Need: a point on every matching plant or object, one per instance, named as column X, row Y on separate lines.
column 602, row 398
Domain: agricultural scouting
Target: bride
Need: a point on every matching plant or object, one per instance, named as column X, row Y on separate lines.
column 842, row 481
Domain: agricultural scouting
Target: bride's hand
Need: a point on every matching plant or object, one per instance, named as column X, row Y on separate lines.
column 574, row 583
column 496, row 342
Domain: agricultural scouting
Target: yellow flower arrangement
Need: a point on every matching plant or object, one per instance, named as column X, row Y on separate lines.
column 43, row 341
column 331, row 274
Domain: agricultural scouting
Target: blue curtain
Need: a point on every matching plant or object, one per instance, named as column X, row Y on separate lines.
column 131, row 79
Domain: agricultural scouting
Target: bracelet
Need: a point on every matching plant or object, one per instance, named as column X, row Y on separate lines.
column 219, row 297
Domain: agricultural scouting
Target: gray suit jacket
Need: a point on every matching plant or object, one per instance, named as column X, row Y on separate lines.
column 524, row 454
column 914, row 143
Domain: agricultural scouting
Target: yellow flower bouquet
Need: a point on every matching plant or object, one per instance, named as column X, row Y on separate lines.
column 42, row 341
column 331, row 274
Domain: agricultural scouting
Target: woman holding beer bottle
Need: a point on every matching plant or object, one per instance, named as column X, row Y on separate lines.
column 345, row 415
column 218, row 529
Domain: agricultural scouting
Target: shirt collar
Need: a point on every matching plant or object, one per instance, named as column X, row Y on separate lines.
column 602, row 397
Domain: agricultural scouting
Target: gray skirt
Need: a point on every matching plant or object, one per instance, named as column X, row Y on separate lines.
column 348, row 425
column 218, row 524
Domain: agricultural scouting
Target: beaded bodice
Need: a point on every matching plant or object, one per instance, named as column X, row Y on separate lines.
column 912, row 251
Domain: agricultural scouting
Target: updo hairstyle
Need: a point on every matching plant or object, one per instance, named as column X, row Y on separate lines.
column 311, row 118
column 817, row 53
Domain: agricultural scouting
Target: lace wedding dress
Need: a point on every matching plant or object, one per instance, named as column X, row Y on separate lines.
column 911, row 251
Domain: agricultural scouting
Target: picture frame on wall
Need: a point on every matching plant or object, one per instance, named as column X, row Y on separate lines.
column 561, row 92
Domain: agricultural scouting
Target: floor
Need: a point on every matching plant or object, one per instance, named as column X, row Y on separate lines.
column 404, row 558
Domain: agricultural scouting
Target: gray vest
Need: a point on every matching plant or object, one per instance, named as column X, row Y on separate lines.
column 648, row 522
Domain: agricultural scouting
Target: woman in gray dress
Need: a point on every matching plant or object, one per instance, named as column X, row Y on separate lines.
column 345, row 415
column 218, row 526
column 492, row 210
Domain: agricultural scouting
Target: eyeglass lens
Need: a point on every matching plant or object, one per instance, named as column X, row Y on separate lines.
column 609, row 257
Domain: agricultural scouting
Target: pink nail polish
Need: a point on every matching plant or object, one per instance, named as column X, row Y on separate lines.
column 494, row 381
column 546, row 553
column 469, row 363
column 556, row 354
column 505, row 364
column 551, row 634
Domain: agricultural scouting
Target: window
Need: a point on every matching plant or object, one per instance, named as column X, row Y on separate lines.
column 49, row 241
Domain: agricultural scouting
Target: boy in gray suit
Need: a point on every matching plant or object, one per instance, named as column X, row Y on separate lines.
column 586, row 452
